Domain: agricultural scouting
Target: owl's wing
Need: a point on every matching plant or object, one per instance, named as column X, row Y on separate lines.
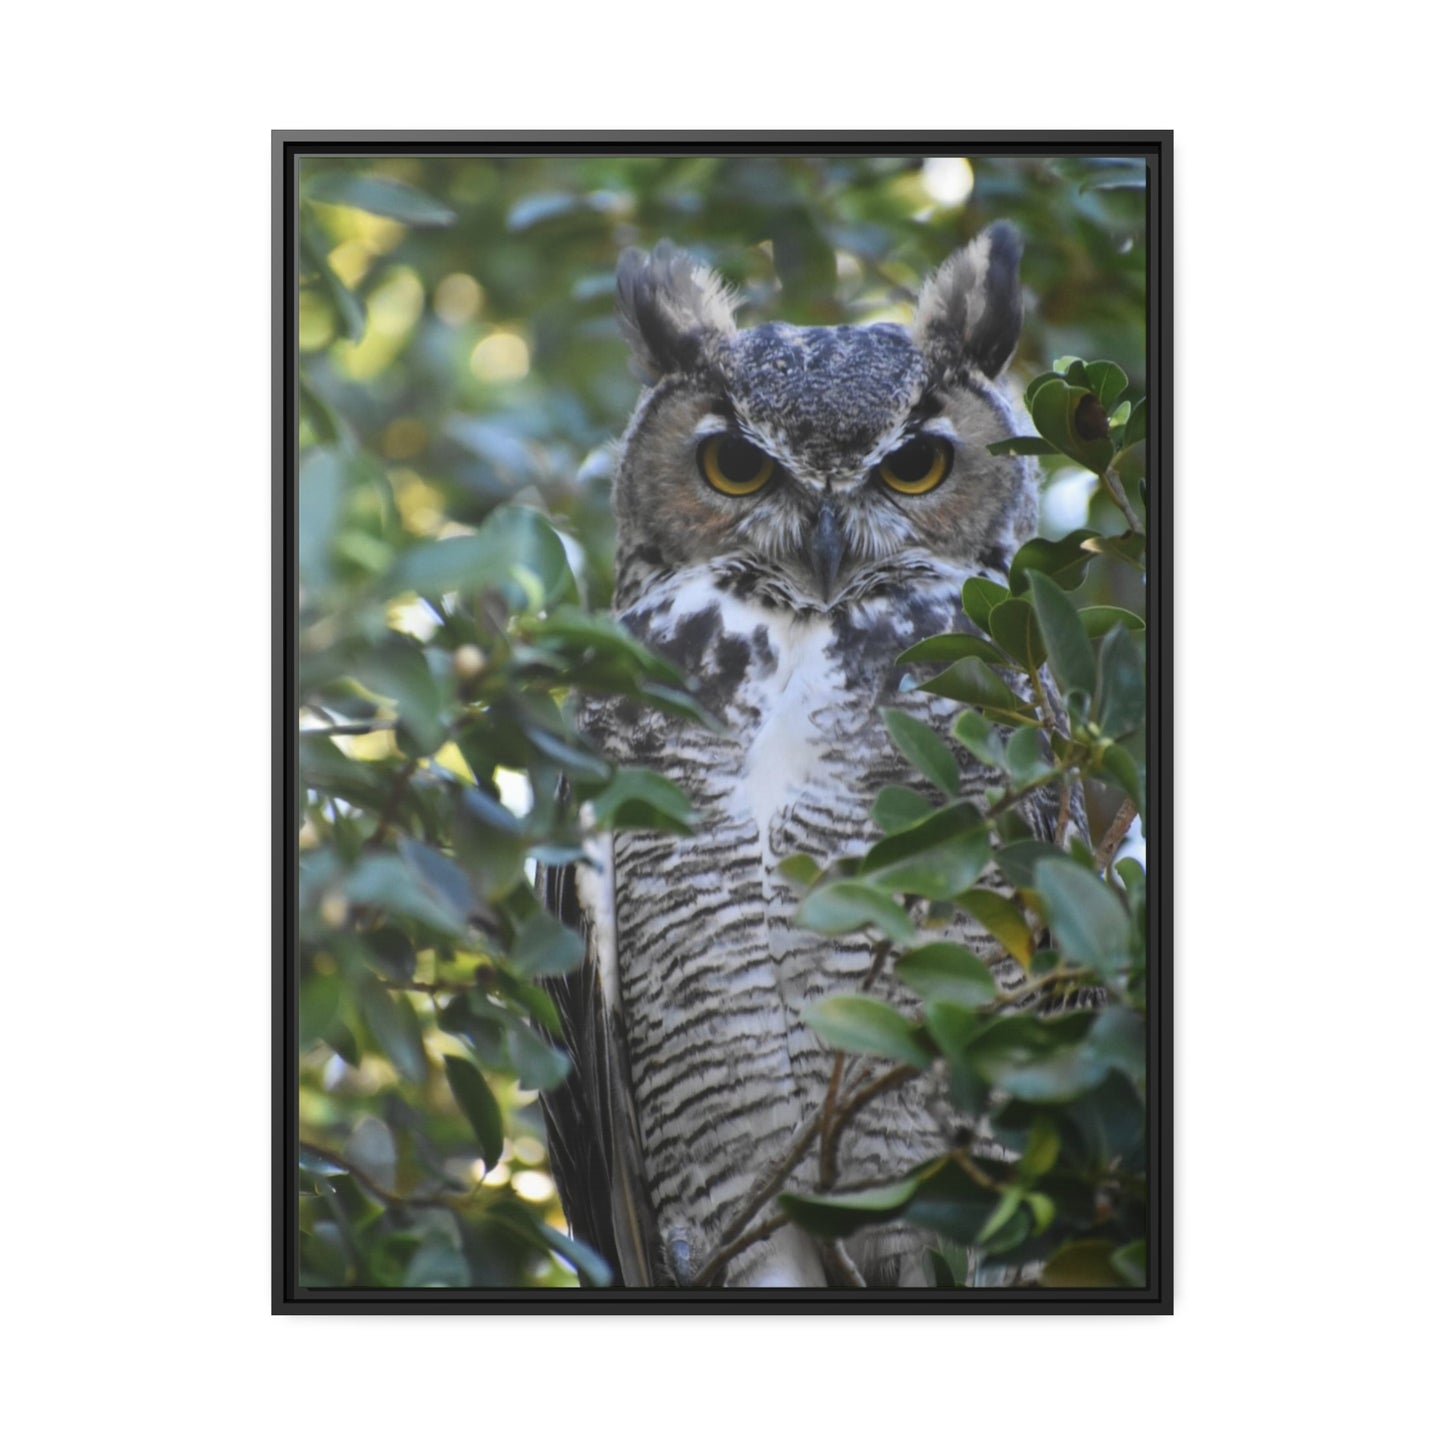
column 591, row 1121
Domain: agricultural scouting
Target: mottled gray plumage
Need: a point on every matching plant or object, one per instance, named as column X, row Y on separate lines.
column 788, row 606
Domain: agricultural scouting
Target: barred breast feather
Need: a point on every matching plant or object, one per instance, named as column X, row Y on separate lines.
column 711, row 975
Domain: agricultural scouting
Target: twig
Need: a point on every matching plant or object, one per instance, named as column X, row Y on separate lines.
column 1027, row 991
column 866, row 1095
column 876, row 964
column 969, row 1165
column 776, row 1178
column 351, row 729
column 835, row 1255
column 1066, row 809
column 1118, row 830
column 1012, row 796
column 827, row 1170
column 1041, row 698
column 763, row 1231
column 1116, row 490
column 366, row 1182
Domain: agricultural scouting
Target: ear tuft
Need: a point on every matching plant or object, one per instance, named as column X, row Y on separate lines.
column 970, row 311
column 669, row 304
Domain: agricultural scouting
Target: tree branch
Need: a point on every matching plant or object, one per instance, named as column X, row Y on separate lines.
column 351, row 729
column 1118, row 830
column 1116, row 492
column 721, row 1256
column 366, row 1182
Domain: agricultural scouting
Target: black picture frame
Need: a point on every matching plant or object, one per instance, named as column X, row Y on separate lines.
column 288, row 1296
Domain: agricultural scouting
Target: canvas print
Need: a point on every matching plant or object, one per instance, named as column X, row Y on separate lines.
column 724, row 626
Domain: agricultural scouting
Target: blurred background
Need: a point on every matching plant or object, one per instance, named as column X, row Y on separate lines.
column 461, row 377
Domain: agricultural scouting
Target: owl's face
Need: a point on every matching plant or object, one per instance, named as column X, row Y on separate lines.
column 826, row 457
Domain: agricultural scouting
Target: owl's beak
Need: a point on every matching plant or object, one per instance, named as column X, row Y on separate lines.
column 825, row 549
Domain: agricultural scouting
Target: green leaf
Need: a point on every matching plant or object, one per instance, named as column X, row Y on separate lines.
column 1138, row 427
column 1121, row 686
column 1135, row 884
column 1001, row 919
column 383, row 881
column 535, row 999
column 576, row 761
column 320, row 1165
column 936, row 858
column 438, row 875
column 397, row 669
column 638, row 798
column 864, row 1025
column 321, row 494
column 1119, row 1038
column 1081, row 1264
column 438, row 1263
column 545, row 948
column 1017, row 630
column 973, row 682
column 952, row 1026
column 897, row 807
column 1004, row 1211
column 833, row 1216
column 1075, row 421
column 980, row 739
column 1017, row 861
column 1065, row 560
column 1037, row 1062
column 490, row 841
column 1043, row 1210
column 943, row 1276
column 515, row 552
column 1028, row 758
column 1120, row 764
column 800, row 868
column 1131, row 1264
column 980, row 597
column 923, row 747
column 1099, row 621
column 540, row 206
column 1042, row 1151
column 1023, row 447
column 602, row 637
column 1088, row 922
column 589, row 1265
column 945, row 971
column 845, row 907
column 379, row 196
column 1042, row 380
column 1071, row 655
column 950, row 647
column 478, row 1105
column 349, row 311
column 393, row 1024
column 538, row 1064
column 1107, row 381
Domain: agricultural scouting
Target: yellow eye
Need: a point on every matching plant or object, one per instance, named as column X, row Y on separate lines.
column 917, row 466
column 733, row 466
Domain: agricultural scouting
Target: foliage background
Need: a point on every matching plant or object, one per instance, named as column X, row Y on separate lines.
column 459, row 362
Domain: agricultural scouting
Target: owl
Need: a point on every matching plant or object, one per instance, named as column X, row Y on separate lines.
column 795, row 507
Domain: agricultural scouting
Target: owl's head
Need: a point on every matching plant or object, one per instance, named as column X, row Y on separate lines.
column 829, row 458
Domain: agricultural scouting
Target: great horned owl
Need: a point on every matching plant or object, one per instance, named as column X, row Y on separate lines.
column 795, row 507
